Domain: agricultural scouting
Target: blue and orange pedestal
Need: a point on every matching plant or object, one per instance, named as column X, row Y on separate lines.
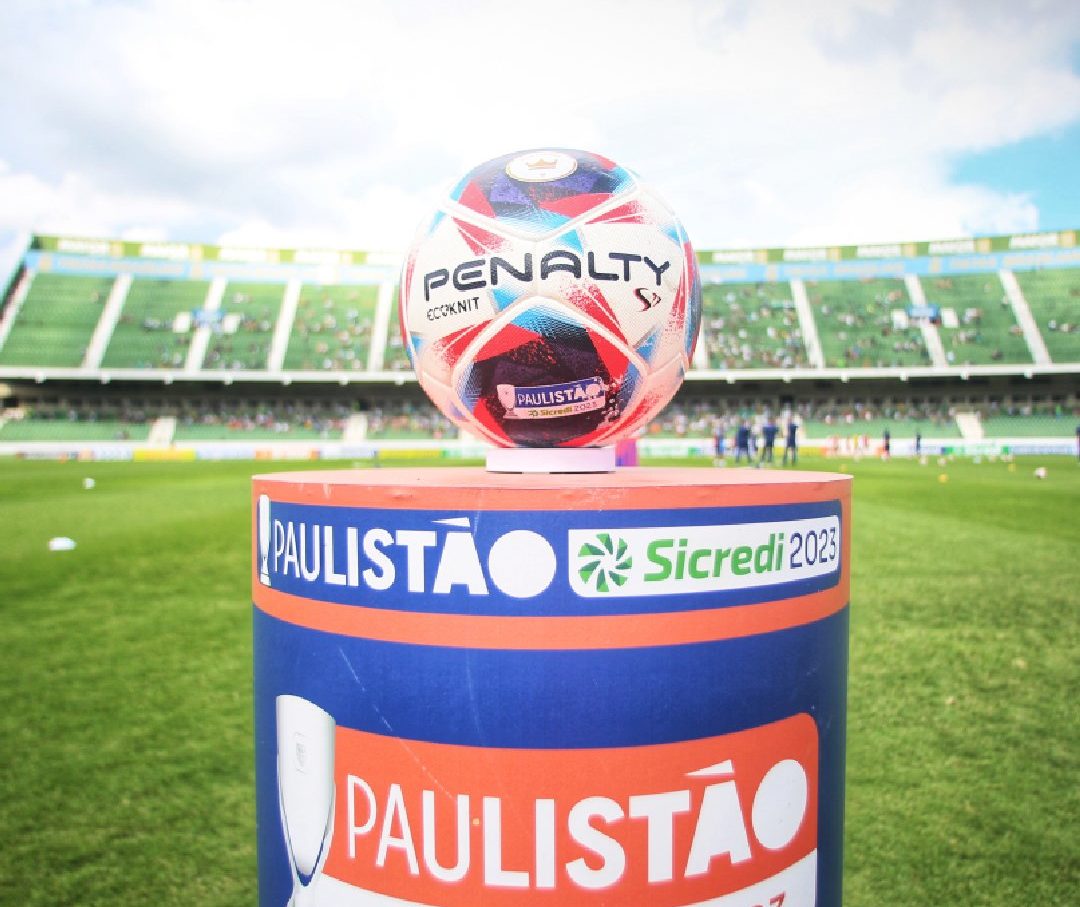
column 503, row 690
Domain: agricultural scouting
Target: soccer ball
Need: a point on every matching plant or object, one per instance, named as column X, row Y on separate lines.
column 553, row 300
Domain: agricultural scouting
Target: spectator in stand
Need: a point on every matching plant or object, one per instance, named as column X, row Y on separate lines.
column 768, row 437
column 742, row 441
column 792, row 445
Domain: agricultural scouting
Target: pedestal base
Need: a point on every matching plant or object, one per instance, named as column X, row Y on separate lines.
column 623, row 687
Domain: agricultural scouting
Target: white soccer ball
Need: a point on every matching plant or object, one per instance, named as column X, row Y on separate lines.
column 552, row 300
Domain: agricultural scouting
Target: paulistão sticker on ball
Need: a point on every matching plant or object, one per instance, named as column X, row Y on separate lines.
column 549, row 401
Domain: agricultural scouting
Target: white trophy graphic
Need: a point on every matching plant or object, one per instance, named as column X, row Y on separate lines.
column 264, row 539
column 305, row 765
column 508, row 398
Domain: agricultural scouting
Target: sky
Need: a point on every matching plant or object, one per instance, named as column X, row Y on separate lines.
column 341, row 123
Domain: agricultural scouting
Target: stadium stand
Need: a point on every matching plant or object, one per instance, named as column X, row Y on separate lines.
column 818, row 420
column 240, row 338
column 82, row 421
column 156, row 324
column 1031, row 426
column 1029, row 417
column 407, row 420
column 54, row 325
column 691, row 418
column 751, row 325
column 226, row 419
column 864, row 323
column 903, row 419
column 333, row 328
column 396, row 358
column 1054, row 299
column 977, row 322
column 961, row 341
column 72, row 431
column 254, row 420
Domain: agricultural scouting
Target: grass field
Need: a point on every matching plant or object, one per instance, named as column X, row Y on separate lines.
column 125, row 702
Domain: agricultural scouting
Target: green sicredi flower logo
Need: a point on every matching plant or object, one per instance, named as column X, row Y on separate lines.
column 604, row 562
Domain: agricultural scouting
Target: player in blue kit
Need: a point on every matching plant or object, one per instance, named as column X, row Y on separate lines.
column 768, row 437
column 792, row 445
column 742, row 441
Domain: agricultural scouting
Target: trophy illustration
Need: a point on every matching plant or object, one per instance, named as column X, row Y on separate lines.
column 305, row 765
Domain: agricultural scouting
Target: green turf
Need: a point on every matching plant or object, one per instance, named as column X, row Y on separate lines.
column 125, row 693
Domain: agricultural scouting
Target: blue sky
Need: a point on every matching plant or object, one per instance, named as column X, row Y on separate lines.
column 1044, row 168
column 340, row 123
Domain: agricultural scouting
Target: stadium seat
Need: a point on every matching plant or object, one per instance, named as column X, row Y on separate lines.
column 863, row 323
column 260, row 420
column 978, row 326
column 333, row 327
column 76, row 422
column 406, row 420
column 751, row 325
column 396, row 359
column 1053, row 295
column 240, row 338
column 156, row 324
column 57, row 319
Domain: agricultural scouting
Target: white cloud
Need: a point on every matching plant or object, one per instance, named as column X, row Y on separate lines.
column 74, row 203
column 883, row 205
column 338, row 122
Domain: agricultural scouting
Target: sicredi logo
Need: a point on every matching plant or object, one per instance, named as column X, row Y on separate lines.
column 604, row 563
column 728, row 820
column 693, row 559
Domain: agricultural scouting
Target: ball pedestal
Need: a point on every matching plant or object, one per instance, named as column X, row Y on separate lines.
column 551, row 459
column 623, row 688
